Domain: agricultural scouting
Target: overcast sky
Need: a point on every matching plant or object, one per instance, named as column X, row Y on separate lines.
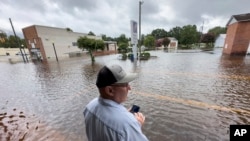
column 112, row 17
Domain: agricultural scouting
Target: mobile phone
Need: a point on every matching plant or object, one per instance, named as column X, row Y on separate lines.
column 135, row 109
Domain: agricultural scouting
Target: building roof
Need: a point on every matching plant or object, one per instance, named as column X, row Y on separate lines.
column 170, row 38
column 239, row 18
column 110, row 42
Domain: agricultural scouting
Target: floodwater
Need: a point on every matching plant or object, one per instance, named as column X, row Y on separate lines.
column 184, row 96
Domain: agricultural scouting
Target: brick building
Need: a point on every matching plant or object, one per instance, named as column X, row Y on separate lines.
column 238, row 35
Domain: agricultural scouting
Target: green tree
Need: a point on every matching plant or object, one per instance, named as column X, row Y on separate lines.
column 13, row 42
column 122, row 39
column 91, row 33
column 159, row 33
column 165, row 41
column 122, row 42
column 99, row 44
column 123, row 48
column 106, row 38
column 149, row 41
column 175, row 32
column 3, row 39
column 90, row 45
column 189, row 35
column 69, row 29
column 142, row 38
column 23, row 43
column 209, row 39
column 216, row 31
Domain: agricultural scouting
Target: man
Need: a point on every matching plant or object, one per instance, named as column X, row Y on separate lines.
column 106, row 119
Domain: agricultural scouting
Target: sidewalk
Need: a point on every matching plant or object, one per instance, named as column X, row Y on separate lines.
column 11, row 59
column 11, row 51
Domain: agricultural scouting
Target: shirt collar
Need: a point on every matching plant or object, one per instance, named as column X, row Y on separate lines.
column 109, row 102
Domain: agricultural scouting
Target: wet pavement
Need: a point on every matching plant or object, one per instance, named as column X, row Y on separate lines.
column 184, row 96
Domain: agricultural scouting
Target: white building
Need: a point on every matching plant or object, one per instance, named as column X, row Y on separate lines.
column 173, row 43
column 220, row 40
column 46, row 42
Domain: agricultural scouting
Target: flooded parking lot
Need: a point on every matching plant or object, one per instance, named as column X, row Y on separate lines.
column 184, row 96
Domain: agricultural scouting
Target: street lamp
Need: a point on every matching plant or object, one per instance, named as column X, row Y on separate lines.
column 140, row 3
column 55, row 51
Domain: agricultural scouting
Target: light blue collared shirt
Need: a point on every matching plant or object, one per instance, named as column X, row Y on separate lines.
column 107, row 120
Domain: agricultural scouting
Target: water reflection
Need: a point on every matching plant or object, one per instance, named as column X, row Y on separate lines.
column 185, row 96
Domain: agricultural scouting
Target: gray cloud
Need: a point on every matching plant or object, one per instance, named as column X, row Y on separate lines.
column 112, row 17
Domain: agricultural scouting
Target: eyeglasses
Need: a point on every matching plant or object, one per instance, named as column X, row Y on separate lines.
column 120, row 85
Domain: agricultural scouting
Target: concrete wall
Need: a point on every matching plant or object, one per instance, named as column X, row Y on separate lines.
column 12, row 57
column 11, row 51
column 112, row 47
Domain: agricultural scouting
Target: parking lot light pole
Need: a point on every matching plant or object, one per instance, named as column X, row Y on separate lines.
column 17, row 40
column 55, row 51
column 140, row 3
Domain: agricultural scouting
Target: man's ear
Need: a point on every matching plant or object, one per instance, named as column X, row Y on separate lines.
column 109, row 90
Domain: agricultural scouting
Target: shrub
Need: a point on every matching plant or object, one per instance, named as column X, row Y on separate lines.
column 129, row 55
column 122, row 48
column 145, row 55
column 124, row 56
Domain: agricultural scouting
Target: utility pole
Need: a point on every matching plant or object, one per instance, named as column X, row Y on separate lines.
column 17, row 41
column 201, row 34
column 140, row 3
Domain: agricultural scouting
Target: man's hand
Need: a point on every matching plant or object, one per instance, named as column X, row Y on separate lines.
column 140, row 118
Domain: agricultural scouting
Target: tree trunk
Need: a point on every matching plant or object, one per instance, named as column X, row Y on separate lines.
column 92, row 56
